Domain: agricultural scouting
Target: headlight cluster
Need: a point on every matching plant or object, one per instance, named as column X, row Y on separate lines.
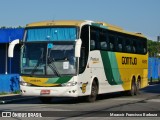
column 24, row 83
column 69, row 84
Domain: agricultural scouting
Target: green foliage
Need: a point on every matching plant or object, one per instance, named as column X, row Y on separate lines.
column 153, row 48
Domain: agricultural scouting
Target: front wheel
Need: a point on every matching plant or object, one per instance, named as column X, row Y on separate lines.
column 94, row 91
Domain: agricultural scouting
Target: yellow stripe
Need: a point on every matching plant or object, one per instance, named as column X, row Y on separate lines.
column 37, row 81
column 130, row 65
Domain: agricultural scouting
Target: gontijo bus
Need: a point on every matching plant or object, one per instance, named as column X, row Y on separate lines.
column 80, row 58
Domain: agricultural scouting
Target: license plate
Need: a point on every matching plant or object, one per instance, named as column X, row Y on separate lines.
column 45, row 92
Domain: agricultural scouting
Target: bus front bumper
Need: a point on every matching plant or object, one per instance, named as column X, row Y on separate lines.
column 70, row 91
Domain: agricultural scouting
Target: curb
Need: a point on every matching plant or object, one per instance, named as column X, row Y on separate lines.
column 16, row 100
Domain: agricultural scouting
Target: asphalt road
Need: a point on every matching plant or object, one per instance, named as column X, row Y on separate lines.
column 108, row 106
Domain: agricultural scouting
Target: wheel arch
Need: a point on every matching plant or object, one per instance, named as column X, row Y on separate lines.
column 139, row 78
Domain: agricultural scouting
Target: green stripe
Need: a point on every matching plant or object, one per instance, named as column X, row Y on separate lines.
column 111, row 68
column 58, row 80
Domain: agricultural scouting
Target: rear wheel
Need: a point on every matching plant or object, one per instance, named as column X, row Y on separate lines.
column 138, row 86
column 45, row 99
column 133, row 90
column 94, row 91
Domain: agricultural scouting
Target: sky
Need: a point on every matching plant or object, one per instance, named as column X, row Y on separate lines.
column 132, row 15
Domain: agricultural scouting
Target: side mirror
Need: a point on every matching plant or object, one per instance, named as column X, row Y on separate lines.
column 78, row 48
column 11, row 47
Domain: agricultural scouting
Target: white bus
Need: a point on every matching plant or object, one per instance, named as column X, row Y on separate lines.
column 80, row 58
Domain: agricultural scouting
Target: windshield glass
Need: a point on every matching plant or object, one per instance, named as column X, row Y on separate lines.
column 51, row 58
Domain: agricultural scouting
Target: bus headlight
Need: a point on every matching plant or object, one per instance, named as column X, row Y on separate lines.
column 24, row 83
column 69, row 84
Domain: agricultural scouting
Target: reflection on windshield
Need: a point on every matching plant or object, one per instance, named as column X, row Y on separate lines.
column 48, row 59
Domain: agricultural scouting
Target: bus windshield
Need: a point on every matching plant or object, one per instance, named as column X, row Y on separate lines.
column 48, row 58
column 51, row 34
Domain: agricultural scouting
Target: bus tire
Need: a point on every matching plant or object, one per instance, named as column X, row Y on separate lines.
column 132, row 92
column 138, row 86
column 45, row 99
column 94, row 91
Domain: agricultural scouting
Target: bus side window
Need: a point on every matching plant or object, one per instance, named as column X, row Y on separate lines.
column 120, row 47
column 103, row 45
column 144, row 46
column 111, row 46
column 128, row 46
column 92, row 46
column 144, row 50
column 103, row 40
column 134, row 47
column 140, row 46
column 94, row 38
column 111, row 43
column 120, row 44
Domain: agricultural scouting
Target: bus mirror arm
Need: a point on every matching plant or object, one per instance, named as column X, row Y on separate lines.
column 78, row 48
column 12, row 46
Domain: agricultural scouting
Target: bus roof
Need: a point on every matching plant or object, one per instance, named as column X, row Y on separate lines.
column 121, row 30
column 80, row 23
column 56, row 23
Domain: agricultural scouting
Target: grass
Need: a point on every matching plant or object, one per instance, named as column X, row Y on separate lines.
column 14, row 92
column 3, row 93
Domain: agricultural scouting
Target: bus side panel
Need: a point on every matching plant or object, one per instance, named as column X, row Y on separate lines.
column 114, row 71
column 111, row 68
column 104, row 67
column 145, row 78
column 132, row 65
column 101, row 65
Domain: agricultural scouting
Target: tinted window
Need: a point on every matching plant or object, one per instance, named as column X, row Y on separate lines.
column 102, row 39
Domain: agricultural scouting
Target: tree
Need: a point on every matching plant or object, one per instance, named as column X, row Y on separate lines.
column 153, row 48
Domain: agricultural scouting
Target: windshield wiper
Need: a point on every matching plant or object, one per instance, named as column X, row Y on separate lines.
column 38, row 63
column 52, row 66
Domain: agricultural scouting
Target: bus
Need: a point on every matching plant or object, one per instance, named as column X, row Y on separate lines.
column 65, row 58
